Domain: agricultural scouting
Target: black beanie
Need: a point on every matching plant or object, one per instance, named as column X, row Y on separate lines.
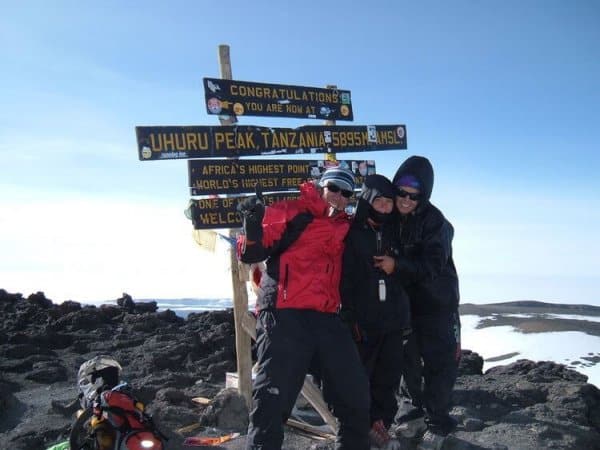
column 377, row 186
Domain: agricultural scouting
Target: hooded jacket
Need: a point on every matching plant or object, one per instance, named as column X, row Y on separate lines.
column 361, row 302
column 425, row 261
column 303, row 249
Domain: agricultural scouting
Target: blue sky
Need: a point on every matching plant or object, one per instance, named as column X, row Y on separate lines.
column 502, row 97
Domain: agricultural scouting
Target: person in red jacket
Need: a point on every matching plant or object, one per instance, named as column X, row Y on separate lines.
column 298, row 304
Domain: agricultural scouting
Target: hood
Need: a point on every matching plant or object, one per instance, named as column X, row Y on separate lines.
column 420, row 168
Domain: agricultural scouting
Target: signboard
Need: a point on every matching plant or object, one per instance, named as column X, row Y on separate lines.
column 225, row 176
column 183, row 142
column 208, row 213
column 244, row 98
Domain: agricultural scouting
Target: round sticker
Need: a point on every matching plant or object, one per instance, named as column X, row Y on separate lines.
column 400, row 132
column 238, row 109
column 146, row 152
column 344, row 110
column 214, row 105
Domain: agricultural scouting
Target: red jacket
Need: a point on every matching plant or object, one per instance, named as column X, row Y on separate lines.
column 303, row 248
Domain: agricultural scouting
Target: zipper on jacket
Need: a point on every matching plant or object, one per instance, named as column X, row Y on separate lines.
column 381, row 284
column 285, row 282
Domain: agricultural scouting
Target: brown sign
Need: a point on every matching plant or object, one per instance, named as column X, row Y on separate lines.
column 209, row 177
column 245, row 98
column 209, row 213
column 184, row 142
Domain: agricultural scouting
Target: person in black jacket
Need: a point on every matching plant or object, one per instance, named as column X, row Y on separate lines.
column 374, row 302
column 426, row 266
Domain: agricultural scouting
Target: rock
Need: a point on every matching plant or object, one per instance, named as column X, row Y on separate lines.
column 470, row 363
column 472, row 424
column 227, row 411
column 169, row 360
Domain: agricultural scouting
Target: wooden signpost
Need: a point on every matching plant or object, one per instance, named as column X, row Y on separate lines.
column 220, row 184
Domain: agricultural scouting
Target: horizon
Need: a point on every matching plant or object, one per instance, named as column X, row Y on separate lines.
column 252, row 300
column 504, row 100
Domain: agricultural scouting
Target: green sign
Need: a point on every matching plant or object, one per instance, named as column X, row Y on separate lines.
column 184, row 142
column 244, row 98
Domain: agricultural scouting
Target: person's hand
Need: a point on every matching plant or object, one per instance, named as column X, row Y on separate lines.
column 385, row 263
column 252, row 211
column 251, row 207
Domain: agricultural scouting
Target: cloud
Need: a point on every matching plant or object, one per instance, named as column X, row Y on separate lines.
column 94, row 249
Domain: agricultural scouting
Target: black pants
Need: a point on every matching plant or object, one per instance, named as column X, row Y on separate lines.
column 288, row 340
column 431, row 356
column 383, row 362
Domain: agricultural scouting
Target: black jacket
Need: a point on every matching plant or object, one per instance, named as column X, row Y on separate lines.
column 425, row 262
column 360, row 279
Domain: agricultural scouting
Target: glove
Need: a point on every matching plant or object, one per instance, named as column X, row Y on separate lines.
column 252, row 211
column 252, row 207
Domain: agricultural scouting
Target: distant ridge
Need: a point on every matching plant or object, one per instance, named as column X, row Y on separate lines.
column 529, row 306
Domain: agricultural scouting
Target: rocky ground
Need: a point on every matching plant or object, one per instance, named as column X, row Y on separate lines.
column 169, row 361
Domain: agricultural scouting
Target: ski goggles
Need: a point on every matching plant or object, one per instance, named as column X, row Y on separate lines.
column 413, row 196
column 335, row 189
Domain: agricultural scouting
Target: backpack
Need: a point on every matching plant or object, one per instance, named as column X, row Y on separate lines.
column 120, row 414
column 112, row 418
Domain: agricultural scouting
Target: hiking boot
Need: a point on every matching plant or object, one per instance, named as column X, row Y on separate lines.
column 431, row 441
column 415, row 413
column 412, row 428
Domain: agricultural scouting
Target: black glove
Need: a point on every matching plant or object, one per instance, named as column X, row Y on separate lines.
column 251, row 208
column 252, row 211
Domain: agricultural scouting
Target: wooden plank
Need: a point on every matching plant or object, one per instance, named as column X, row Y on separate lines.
column 189, row 428
column 310, row 428
column 313, row 394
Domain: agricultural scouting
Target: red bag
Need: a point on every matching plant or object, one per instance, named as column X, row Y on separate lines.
column 121, row 409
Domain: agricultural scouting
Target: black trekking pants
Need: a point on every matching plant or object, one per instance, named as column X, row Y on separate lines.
column 431, row 356
column 383, row 361
column 287, row 341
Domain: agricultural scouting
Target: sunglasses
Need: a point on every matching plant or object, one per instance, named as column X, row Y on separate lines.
column 413, row 196
column 335, row 189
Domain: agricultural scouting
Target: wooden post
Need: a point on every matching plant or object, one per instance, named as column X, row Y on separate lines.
column 240, row 294
column 330, row 156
